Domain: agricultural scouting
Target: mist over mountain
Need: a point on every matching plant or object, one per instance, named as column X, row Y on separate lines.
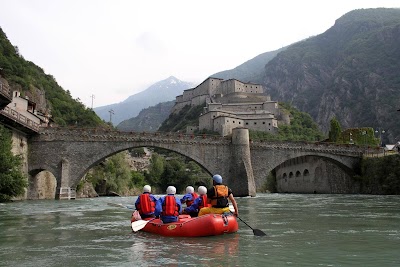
column 162, row 91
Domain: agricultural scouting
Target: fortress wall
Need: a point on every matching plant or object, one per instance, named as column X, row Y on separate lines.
column 266, row 125
column 199, row 100
column 253, row 88
column 214, row 86
column 271, row 106
column 188, row 95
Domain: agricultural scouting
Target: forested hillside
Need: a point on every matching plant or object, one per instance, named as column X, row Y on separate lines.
column 32, row 81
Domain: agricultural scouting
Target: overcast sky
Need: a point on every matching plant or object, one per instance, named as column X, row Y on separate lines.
column 115, row 48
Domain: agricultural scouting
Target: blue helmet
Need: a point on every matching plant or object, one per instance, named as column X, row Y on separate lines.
column 217, row 178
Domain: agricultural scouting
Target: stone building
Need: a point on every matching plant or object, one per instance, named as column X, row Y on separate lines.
column 230, row 104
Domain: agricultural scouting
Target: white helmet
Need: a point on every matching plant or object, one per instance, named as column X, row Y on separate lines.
column 147, row 188
column 202, row 190
column 189, row 189
column 171, row 190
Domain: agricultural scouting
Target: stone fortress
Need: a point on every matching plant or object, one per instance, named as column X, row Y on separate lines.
column 230, row 104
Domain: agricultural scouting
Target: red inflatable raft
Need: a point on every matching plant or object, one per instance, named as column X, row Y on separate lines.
column 206, row 225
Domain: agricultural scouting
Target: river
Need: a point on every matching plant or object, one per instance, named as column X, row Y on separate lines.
column 302, row 230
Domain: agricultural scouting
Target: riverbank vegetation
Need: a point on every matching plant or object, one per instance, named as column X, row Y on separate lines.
column 380, row 175
column 12, row 181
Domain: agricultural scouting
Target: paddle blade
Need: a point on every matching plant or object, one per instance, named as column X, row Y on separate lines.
column 258, row 232
column 138, row 225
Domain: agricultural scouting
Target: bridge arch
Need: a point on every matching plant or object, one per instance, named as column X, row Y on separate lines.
column 42, row 184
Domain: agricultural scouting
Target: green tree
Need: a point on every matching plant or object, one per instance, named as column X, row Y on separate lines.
column 156, row 169
column 138, row 179
column 335, row 130
column 12, row 181
column 116, row 174
column 301, row 128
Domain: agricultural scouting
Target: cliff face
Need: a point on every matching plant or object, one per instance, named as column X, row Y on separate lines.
column 351, row 72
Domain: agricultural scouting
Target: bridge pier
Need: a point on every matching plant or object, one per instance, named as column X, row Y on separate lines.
column 64, row 191
column 241, row 171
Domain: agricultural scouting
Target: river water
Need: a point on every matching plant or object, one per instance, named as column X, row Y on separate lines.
column 302, row 230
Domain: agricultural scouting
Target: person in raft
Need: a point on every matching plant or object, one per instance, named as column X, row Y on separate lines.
column 169, row 207
column 146, row 203
column 218, row 196
column 198, row 203
column 189, row 197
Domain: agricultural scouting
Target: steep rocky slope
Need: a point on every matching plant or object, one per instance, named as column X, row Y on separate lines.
column 351, row 72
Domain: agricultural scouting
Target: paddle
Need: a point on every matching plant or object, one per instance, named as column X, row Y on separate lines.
column 138, row 225
column 256, row 232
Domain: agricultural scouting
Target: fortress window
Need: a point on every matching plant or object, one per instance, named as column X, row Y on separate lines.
column 255, row 123
column 263, row 122
column 269, row 124
column 247, row 123
column 233, row 121
column 239, row 122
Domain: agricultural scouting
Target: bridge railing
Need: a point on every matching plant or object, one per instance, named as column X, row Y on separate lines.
column 308, row 145
column 112, row 133
column 21, row 119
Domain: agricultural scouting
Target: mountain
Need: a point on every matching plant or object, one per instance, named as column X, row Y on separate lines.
column 149, row 119
column 162, row 91
column 250, row 71
column 351, row 72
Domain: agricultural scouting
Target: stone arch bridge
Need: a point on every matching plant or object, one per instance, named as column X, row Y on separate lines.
column 68, row 153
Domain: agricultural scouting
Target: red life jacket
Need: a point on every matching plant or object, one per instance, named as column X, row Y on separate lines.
column 190, row 202
column 170, row 208
column 203, row 202
column 145, row 205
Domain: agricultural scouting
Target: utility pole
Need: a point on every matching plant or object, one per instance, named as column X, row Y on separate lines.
column 92, row 96
column 111, row 113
